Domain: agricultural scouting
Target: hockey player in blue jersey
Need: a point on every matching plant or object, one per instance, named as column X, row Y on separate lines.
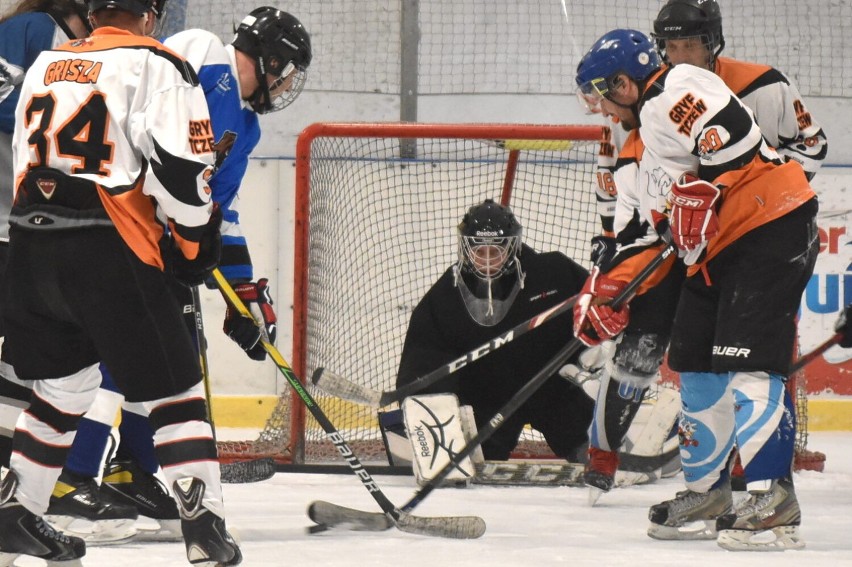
column 262, row 70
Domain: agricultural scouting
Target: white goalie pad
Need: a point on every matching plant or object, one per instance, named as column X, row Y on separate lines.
column 650, row 436
column 434, row 427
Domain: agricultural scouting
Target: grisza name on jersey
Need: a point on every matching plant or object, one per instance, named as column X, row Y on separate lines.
column 73, row 70
column 736, row 352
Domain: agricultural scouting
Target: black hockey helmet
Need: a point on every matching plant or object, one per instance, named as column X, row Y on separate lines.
column 489, row 240
column 280, row 46
column 679, row 19
column 138, row 7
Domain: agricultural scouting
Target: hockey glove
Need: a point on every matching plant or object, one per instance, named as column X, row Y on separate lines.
column 844, row 325
column 693, row 215
column 243, row 330
column 193, row 272
column 603, row 250
column 594, row 320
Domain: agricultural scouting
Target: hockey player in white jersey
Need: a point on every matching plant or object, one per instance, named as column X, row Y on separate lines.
column 688, row 31
column 111, row 128
column 263, row 70
column 743, row 220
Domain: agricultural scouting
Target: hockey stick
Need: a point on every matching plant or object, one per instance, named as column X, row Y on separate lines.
column 241, row 471
column 460, row 527
column 336, row 385
column 806, row 359
column 327, row 514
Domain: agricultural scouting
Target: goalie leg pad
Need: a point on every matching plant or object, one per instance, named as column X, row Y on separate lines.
column 434, row 427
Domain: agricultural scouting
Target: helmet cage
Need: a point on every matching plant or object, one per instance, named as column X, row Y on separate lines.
column 281, row 49
column 488, row 256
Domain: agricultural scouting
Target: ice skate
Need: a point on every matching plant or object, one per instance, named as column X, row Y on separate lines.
column 690, row 515
column 599, row 475
column 24, row 533
column 208, row 542
column 77, row 508
column 767, row 521
column 159, row 519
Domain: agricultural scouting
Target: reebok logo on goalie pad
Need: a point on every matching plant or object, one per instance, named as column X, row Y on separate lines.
column 736, row 352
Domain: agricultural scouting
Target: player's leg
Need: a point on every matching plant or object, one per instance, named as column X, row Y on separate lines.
column 160, row 370
column 561, row 412
column 78, row 506
column 775, row 263
column 707, row 423
column 625, row 380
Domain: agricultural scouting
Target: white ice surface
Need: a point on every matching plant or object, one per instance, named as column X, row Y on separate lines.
column 526, row 526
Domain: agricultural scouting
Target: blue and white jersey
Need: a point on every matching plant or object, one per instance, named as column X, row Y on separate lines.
column 216, row 66
column 22, row 38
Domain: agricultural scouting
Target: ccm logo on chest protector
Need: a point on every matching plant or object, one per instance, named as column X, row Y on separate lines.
column 736, row 352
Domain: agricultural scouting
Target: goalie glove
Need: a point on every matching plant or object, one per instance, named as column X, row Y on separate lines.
column 594, row 320
column 844, row 326
column 244, row 331
column 693, row 218
column 589, row 363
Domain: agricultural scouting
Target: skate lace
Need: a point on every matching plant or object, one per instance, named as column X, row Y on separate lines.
column 47, row 531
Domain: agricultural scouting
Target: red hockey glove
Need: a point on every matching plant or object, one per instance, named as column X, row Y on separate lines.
column 243, row 330
column 693, row 217
column 594, row 320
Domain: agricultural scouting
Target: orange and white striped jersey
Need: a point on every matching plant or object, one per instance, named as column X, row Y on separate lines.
column 691, row 121
column 122, row 115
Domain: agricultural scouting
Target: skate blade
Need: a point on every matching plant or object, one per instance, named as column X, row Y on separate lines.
column 71, row 563
column 101, row 532
column 8, row 559
column 780, row 538
column 691, row 531
column 151, row 530
column 595, row 494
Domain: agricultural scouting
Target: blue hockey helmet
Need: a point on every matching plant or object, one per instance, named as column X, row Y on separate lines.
column 620, row 51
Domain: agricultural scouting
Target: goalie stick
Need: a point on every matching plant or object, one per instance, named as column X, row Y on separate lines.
column 336, row 385
column 328, row 515
column 459, row 527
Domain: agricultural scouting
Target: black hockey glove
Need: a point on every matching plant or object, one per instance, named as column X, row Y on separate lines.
column 243, row 330
column 844, row 325
column 603, row 251
column 193, row 272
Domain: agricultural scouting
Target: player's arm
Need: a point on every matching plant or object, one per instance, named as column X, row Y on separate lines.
column 800, row 137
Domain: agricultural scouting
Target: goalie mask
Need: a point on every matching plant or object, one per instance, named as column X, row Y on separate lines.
column 488, row 272
column 281, row 49
column 683, row 19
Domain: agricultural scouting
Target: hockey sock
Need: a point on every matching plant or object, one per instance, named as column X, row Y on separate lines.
column 88, row 448
column 706, row 427
column 137, row 441
column 45, row 431
column 766, row 427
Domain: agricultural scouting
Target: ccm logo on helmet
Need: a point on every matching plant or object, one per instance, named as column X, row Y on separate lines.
column 736, row 352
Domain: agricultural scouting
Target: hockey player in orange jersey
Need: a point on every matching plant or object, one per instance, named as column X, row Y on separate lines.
column 743, row 219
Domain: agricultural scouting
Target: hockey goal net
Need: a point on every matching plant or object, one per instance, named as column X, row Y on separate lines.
column 376, row 212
